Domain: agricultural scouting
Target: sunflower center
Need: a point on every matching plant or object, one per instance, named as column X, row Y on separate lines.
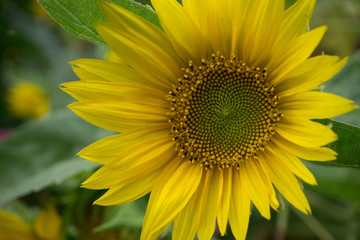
column 222, row 112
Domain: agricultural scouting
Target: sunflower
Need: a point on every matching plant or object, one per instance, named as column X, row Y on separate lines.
column 214, row 111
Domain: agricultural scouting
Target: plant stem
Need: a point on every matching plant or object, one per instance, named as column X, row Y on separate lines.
column 313, row 224
column 281, row 223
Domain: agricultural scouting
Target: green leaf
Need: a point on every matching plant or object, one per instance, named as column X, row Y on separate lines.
column 42, row 153
column 348, row 145
column 78, row 17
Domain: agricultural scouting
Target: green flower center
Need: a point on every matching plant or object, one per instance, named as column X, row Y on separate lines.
column 222, row 112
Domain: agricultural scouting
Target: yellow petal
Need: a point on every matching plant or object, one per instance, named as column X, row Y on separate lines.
column 284, row 181
column 293, row 163
column 315, row 105
column 255, row 188
column 112, row 57
column 223, row 211
column 48, row 224
column 141, row 54
column 308, row 153
column 106, row 149
column 215, row 15
column 115, row 117
column 133, row 163
column 169, row 197
column 223, row 25
column 124, row 193
column 181, row 29
column 310, row 74
column 239, row 213
column 208, row 220
column 114, row 91
column 287, row 58
column 101, row 70
column 130, row 22
column 240, row 23
column 187, row 222
column 260, row 32
column 295, row 21
column 14, row 228
column 305, row 132
column 274, row 203
column 197, row 11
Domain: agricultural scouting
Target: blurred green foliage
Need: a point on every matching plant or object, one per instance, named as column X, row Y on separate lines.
column 343, row 19
column 44, row 154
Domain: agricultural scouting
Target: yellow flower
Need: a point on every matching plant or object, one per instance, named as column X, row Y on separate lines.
column 47, row 226
column 214, row 111
column 27, row 100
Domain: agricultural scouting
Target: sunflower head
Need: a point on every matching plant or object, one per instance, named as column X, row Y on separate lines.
column 214, row 111
column 222, row 112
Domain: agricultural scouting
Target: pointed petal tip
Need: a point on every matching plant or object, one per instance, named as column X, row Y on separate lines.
column 89, row 182
column 99, row 26
column 72, row 63
column 322, row 29
column 102, row 28
column 350, row 106
column 267, row 216
column 63, row 87
column 274, row 202
column 83, row 184
column 345, row 59
column 71, row 106
column 101, row 202
column 81, row 61
column 335, row 137
column 80, row 154
column 311, row 181
column 104, row 4
column 306, row 209
column 88, row 185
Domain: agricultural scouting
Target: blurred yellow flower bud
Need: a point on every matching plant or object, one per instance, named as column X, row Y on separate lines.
column 27, row 100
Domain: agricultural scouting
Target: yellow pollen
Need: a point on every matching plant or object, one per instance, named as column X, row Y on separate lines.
column 222, row 112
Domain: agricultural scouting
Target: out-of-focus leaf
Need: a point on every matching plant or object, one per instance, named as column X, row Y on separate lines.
column 78, row 17
column 335, row 180
column 130, row 215
column 41, row 153
column 348, row 144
